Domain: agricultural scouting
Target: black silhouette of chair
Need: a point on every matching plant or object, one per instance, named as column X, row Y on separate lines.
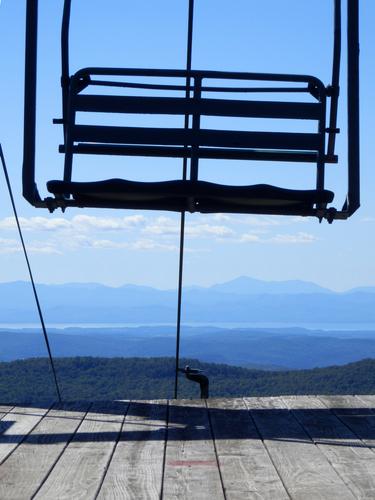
column 83, row 93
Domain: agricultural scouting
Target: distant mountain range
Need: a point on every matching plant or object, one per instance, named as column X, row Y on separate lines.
column 245, row 285
column 243, row 299
column 277, row 349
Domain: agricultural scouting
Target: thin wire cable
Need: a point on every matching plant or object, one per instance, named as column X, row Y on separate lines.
column 30, row 273
column 182, row 223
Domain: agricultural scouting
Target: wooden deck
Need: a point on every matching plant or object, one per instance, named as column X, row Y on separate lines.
column 299, row 447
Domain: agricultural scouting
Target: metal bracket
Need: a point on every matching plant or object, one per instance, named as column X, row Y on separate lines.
column 197, row 376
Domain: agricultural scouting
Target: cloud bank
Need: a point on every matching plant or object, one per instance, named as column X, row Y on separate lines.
column 138, row 232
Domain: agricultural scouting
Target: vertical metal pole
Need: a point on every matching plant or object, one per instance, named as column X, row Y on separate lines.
column 182, row 222
column 335, row 77
column 65, row 59
column 30, row 191
column 195, row 126
column 321, row 153
column 353, row 201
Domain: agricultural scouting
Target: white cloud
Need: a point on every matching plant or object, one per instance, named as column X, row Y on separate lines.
column 152, row 245
column 87, row 222
column 44, row 249
column 250, row 238
column 9, row 246
column 76, row 223
column 293, row 238
column 35, row 223
column 144, row 233
column 297, row 238
column 265, row 221
column 165, row 226
column 204, row 230
column 134, row 245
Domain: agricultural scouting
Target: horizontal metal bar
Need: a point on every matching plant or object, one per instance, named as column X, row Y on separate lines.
column 181, row 137
column 207, row 107
column 204, row 153
column 54, row 203
column 217, row 207
column 182, row 88
column 217, row 75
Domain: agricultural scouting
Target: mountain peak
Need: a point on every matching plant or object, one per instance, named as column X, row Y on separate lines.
column 247, row 285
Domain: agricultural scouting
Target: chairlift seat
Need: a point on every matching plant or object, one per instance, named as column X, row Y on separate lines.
column 189, row 195
column 193, row 142
column 268, row 110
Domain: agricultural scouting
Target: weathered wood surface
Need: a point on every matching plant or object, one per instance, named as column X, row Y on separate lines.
column 191, row 469
column 16, row 425
column 357, row 412
column 298, row 447
column 352, row 460
column 4, row 409
column 80, row 471
column 37, row 454
column 304, row 470
column 246, row 468
column 136, row 468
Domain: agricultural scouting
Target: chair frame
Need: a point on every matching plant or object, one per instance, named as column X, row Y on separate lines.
column 195, row 143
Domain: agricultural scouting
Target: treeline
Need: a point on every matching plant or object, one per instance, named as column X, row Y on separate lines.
column 89, row 378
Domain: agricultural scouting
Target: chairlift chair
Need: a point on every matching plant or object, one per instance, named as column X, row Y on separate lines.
column 191, row 142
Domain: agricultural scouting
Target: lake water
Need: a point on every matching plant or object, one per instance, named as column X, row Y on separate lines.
column 307, row 326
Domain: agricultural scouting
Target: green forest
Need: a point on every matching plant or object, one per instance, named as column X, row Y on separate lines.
column 96, row 379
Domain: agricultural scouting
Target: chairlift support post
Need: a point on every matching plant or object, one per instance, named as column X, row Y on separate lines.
column 30, row 189
column 353, row 201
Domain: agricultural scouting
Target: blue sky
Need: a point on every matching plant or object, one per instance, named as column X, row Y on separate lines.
column 116, row 247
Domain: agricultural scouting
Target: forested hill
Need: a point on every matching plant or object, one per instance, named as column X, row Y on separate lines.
column 151, row 378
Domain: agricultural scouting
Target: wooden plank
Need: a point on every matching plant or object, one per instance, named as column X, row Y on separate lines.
column 4, row 409
column 136, row 467
column 368, row 400
column 357, row 413
column 16, row 425
column 191, row 469
column 346, row 453
column 246, row 469
column 304, row 470
column 80, row 470
column 345, row 403
column 27, row 467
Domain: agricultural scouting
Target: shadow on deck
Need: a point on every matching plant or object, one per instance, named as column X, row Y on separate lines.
column 192, row 420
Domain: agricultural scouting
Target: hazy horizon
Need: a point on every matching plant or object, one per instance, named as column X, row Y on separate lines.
column 193, row 285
